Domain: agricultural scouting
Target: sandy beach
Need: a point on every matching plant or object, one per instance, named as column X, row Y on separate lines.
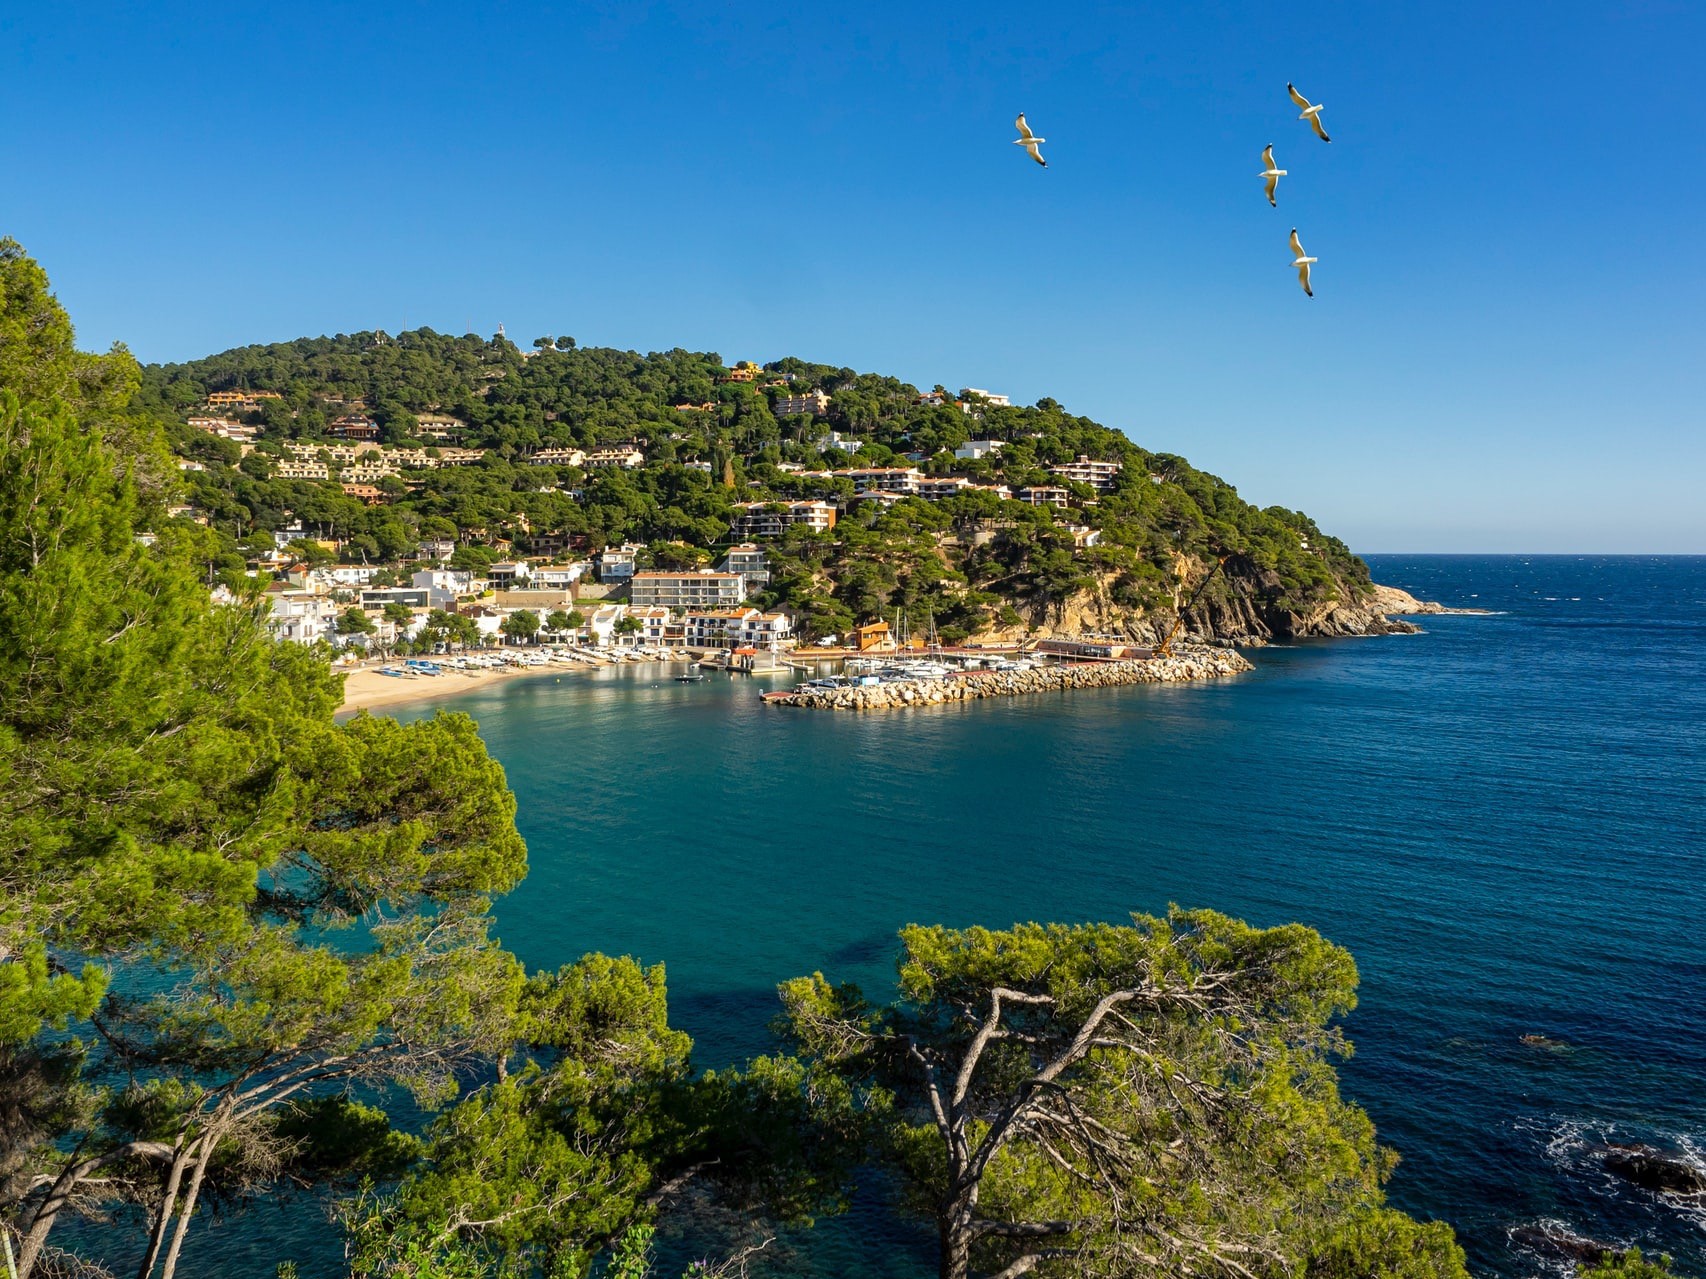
column 366, row 689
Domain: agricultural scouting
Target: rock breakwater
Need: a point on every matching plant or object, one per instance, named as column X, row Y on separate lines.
column 1206, row 664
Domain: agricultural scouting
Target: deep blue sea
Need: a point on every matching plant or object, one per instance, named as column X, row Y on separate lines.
column 1504, row 818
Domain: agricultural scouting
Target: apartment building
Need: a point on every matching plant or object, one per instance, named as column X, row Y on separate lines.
column 815, row 403
column 700, row 589
column 772, row 519
column 1086, row 471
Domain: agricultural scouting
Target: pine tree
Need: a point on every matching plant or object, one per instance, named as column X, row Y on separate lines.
column 260, row 902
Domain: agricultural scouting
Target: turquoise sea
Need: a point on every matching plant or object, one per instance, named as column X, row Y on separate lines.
column 1504, row 818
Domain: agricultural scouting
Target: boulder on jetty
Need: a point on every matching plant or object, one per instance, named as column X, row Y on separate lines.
column 1653, row 1169
column 1206, row 664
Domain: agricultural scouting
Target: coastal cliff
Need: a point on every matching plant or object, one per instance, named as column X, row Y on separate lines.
column 1244, row 606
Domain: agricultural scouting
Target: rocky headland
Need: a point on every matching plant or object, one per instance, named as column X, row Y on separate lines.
column 1391, row 600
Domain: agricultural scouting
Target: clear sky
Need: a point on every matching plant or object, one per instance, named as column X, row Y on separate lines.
column 1506, row 351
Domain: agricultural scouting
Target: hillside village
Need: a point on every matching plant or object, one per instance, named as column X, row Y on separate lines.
column 420, row 492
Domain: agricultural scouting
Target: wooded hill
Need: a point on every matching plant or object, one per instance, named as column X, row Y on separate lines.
column 974, row 564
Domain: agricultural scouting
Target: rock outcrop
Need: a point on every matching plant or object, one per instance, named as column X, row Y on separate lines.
column 1389, row 599
column 1247, row 607
column 1196, row 665
column 1653, row 1169
column 1553, row 1240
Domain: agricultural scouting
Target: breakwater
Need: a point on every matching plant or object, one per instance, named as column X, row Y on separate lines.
column 1195, row 665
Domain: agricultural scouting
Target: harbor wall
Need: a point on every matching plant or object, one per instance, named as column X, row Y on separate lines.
column 1205, row 664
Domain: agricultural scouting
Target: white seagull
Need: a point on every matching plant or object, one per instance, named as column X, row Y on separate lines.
column 1270, row 173
column 1311, row 112
column 1301, row 262
column 1029, row 140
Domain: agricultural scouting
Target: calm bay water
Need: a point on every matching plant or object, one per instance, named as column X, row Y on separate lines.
column 1503, row 818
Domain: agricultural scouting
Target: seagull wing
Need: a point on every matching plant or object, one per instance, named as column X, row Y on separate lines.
column 1023, row 128
column 1321, row 133
column 1296, row 244
column 1268, row 156
column 1271, row 183
column 1303, row 103
column 1036, row 153
column 1303, row 279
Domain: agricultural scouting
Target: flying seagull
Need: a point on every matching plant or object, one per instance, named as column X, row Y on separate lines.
column 1311, row 113
column 1301, row 262
column 1030, row 141
column 1271, row 174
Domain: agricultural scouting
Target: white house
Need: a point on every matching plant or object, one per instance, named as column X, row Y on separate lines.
column 558, row 577
column 305, row 617
column 558, row 457
column 291, row 532
column 769, row 631
column 352, row 574
column 1086, row 470
column 442, row 585
column 627, row 458
column 617, row 563
column 750, row 562
column 601, row 624
column 971, row 450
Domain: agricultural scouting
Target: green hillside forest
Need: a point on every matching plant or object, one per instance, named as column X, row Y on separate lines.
column 1113, row 559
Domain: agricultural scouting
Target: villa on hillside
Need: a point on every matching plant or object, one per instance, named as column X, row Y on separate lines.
column 558, row 457
column 772, row 519
column 1100, row 475
column 225, row 428
column 815, row 403
column 435, row 426
column 1044, row 495
column 353, row 427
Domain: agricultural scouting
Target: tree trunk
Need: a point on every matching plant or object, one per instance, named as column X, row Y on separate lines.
column 954, row 1230
column 163, row 1217
column 208, row 1141
column 41, row 1222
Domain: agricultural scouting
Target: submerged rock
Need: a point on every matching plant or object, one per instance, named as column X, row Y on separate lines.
column 1653, row 1169
column 1552, row 1239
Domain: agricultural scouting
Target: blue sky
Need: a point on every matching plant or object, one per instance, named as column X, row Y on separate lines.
column 1507, row 350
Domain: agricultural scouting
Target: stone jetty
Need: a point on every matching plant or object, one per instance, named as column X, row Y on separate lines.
column 1194, row 665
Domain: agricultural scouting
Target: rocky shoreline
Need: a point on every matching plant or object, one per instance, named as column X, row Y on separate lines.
column 1390, row 599
column 1195, row 665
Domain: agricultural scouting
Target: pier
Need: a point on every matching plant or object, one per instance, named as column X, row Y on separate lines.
column 1200, row 664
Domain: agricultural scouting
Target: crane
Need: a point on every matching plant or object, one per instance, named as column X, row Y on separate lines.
column 1165, row 647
